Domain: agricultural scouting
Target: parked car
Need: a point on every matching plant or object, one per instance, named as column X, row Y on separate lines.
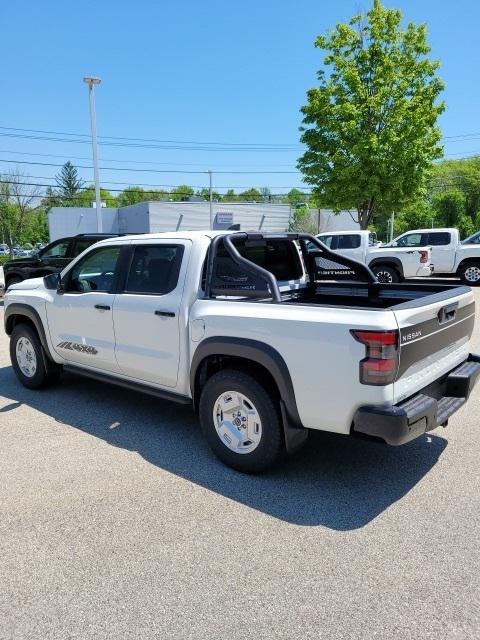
column 388, row 264
column 449, row 255
column 51, row 259
column 265, row 341
column 4, row 250
column 473, row 239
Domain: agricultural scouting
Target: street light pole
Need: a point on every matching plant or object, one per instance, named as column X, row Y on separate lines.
column 92, row 81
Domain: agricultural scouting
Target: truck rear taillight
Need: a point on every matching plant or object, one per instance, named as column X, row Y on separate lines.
column 423, row 256
column 381, row 358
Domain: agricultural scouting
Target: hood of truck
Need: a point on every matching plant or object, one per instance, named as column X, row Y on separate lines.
column 27, row 285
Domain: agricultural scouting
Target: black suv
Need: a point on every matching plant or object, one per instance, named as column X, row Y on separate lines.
column 52, row 258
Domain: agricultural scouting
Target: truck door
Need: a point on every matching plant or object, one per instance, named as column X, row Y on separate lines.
column 443, row 252
column 147, row 312
column 80, row 315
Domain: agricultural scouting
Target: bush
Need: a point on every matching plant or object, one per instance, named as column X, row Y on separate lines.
column 4, row 259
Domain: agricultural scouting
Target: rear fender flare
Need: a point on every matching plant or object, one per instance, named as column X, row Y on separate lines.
column 272, row 361
column 395, row 263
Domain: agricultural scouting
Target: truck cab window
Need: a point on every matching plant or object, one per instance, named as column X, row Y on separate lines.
column 439, row 239
column 95, row 272
column 410, row 240
column 154, row 269
column 55, row 250
column 349, row 241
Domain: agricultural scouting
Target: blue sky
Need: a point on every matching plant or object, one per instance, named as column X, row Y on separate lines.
column 211, row 71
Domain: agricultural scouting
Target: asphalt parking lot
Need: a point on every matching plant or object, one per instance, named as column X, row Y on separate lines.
column 117, row 522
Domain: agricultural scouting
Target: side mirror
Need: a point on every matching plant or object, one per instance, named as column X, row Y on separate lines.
column 52, row 281
column 394, row 244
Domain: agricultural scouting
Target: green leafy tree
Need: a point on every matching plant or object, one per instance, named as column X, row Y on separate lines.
column 419, row 215
column 465, row 226
column 250, row 195
column 450, row 207
column 230, row 196
column 181, row 193
column 131, row 195
column 462, row 175
column 370, row 126
column 205, row 195
column 86, row 197
column 296, row 198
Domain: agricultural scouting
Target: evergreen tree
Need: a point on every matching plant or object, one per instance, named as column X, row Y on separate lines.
column 68, row 185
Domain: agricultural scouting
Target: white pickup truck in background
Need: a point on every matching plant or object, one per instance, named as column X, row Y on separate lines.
column 388, row 264
column 449, row 254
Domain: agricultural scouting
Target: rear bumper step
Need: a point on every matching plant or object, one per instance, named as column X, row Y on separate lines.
column 425, row 411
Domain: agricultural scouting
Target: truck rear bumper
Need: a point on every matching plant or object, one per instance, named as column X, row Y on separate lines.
column 425, row 411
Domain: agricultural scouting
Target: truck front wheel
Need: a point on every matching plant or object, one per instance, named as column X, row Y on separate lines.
column 28, row 359
column 470, row 273
column 386, row 275
column 241, row 421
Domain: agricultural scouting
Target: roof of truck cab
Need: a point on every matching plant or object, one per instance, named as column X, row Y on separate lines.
column 434, row 230
column 164, row 235
column 342, row 233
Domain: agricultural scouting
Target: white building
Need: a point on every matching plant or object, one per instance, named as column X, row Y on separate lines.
column 154, row 217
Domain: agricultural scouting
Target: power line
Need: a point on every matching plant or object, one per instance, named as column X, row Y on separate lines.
column 133, row 190
column 156, row 140
column 182, row 171
column 169, row 146
column 173, row 164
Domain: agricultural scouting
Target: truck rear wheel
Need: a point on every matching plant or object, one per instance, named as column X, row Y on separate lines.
column 241, row 421
column 28, row 359
column 470, row 273
column 386, row 275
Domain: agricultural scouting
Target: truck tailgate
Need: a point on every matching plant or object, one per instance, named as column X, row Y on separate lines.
column 434, row 338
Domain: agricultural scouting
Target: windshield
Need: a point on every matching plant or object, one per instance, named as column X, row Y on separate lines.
column 474, row 239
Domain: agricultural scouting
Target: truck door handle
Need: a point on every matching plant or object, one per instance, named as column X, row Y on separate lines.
column 165, row 314
column 103, row 307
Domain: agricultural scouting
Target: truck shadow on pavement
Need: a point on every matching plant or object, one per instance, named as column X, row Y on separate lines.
column 335, row 481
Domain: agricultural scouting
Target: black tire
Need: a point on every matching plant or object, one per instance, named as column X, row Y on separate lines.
column 41, row 377
column 270, row 446
column 469, row 273
column 13, row 280
column 385, row 274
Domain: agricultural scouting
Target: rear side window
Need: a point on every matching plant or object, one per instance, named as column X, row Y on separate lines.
column 154, row 269
column 439, row 239
column 279, row 257
column 350, row 241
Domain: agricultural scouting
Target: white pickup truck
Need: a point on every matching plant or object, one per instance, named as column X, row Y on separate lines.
column 449, row 254
column 267, row 338
column 388, row 264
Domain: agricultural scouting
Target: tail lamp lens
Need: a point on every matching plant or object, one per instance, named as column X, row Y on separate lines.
column 423, row 256
column 380, row 364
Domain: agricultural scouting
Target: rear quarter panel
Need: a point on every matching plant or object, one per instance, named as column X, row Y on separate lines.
column 317, row 347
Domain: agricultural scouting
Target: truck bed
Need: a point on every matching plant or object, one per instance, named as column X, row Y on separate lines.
column 377, row 296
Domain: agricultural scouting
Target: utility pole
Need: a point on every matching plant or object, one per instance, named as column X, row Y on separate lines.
column 392, row 224
column 92, row 81
column 210, row 197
